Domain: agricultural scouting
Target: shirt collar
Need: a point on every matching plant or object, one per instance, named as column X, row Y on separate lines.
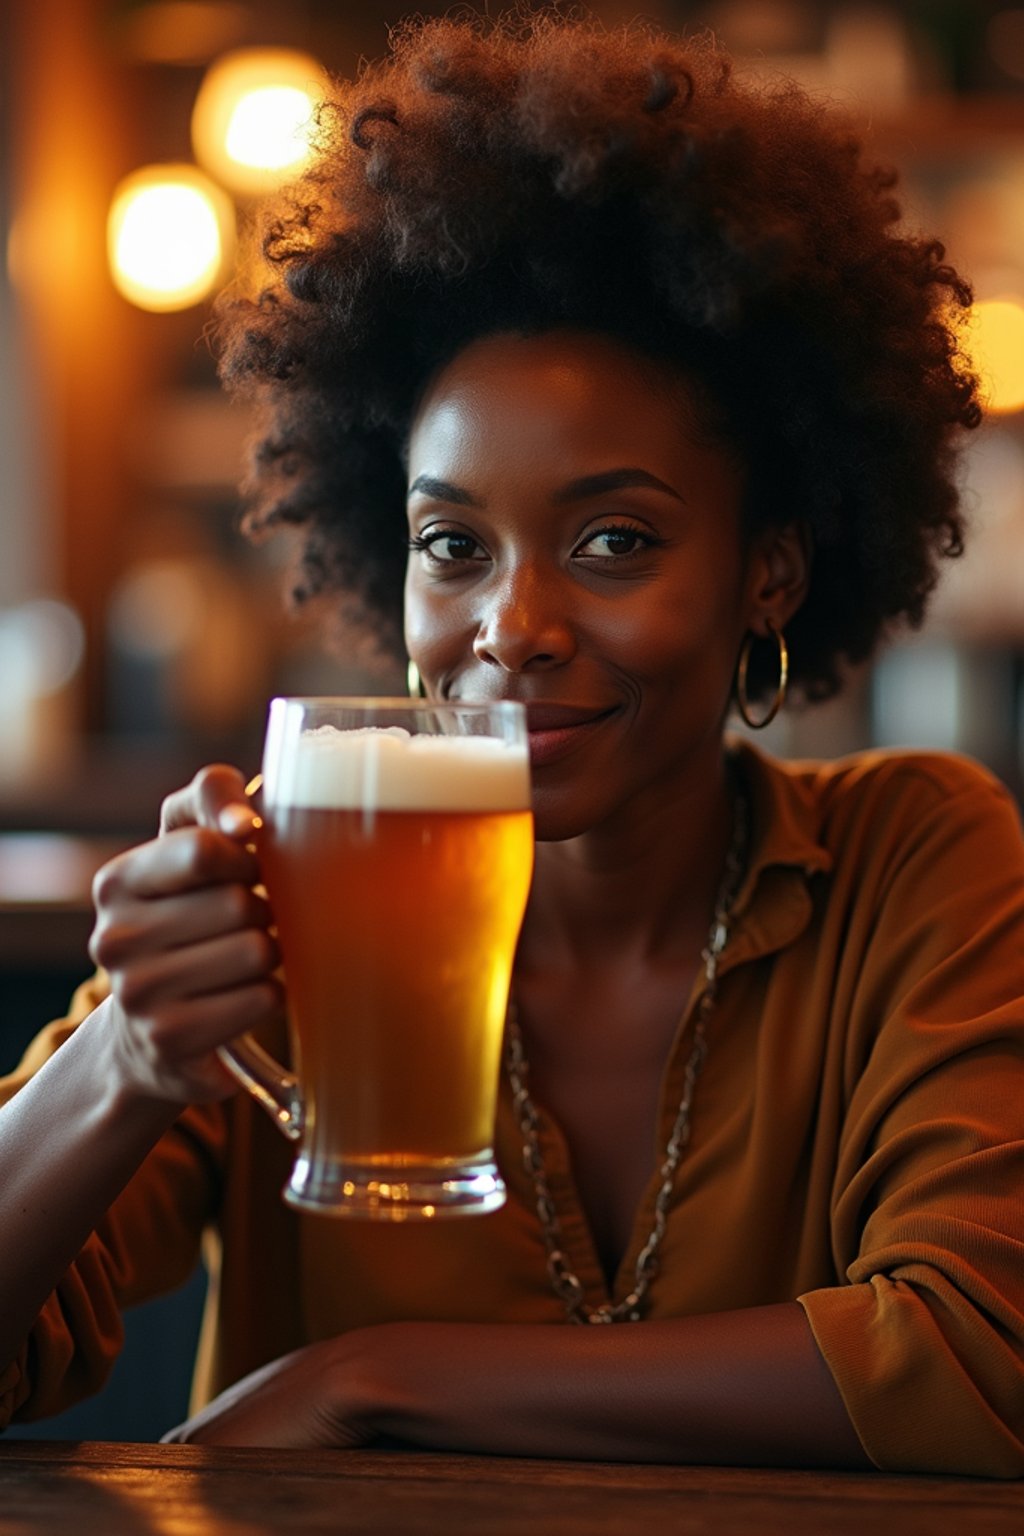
column 773, row 904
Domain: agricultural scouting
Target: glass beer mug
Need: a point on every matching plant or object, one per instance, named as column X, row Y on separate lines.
column 396, row 848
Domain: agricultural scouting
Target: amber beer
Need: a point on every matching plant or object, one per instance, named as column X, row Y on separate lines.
column 397, row 866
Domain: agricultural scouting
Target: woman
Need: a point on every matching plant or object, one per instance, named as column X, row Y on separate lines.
column 670, row 403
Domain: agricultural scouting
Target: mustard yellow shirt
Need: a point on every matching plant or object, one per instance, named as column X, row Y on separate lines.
column 856, row 1145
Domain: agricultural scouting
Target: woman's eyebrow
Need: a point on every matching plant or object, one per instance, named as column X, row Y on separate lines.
column 613, row 480
column 442, row 490
column 576, row 490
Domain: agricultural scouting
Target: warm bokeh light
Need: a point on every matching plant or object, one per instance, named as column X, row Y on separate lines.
column 41, row 644
column 253, row 115
column 265, row 128
column 168, row 237
column 995, row 341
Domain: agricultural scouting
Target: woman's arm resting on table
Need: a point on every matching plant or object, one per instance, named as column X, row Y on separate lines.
column 747, row 1388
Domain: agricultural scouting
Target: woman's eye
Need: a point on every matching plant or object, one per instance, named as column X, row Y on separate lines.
column 609, row 542
column 446, row 546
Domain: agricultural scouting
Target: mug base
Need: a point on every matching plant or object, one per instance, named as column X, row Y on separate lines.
column 388, row 1192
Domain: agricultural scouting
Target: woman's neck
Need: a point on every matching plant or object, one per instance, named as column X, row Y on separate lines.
column 642, row 885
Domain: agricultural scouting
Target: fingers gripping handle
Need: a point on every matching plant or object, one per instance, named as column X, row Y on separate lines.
column 276, row 1090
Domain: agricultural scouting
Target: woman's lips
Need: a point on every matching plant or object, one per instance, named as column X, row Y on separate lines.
column 555, row 731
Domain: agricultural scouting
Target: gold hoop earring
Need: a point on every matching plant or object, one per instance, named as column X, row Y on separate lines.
column 414, row 682
column 742, row 701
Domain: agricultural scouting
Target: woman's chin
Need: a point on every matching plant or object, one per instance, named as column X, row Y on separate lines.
column 555, row 823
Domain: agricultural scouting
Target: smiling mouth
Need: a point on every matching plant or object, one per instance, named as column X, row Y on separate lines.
column 554, row 731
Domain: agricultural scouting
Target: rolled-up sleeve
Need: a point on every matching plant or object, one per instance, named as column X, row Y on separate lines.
column 926, row 1341
column 147, row 1244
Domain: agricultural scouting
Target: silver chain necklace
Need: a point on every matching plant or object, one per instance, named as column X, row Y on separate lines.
column 565, row 1281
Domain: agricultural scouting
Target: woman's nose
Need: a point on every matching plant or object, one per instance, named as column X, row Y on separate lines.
column 525, row 625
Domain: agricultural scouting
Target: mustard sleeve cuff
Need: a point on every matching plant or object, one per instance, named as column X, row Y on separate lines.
column 912, row 1397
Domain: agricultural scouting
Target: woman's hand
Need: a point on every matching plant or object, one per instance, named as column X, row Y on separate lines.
column 319, row 1396
column 184, row 939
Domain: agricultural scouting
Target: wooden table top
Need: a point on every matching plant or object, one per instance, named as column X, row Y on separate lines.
column 48, row 1488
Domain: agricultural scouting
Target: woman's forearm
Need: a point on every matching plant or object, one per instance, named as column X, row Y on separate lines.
column 748, row 1388
column 69, row 1142
column 184, row 938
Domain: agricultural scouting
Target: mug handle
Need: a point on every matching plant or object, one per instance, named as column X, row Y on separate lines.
column 274, row 1089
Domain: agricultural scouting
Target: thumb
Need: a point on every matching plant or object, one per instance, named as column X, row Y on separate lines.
column 215, row 798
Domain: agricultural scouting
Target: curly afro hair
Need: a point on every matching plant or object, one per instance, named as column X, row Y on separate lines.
column 541, row 172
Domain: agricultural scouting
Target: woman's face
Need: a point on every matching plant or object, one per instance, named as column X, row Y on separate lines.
column 575, row 545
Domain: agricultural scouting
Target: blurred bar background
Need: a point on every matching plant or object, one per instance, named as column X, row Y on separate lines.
column 140, row 635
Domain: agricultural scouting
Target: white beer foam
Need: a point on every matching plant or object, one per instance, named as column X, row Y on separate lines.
column 387, row 769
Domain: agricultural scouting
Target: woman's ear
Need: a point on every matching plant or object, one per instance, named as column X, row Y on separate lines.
column 778, row 576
